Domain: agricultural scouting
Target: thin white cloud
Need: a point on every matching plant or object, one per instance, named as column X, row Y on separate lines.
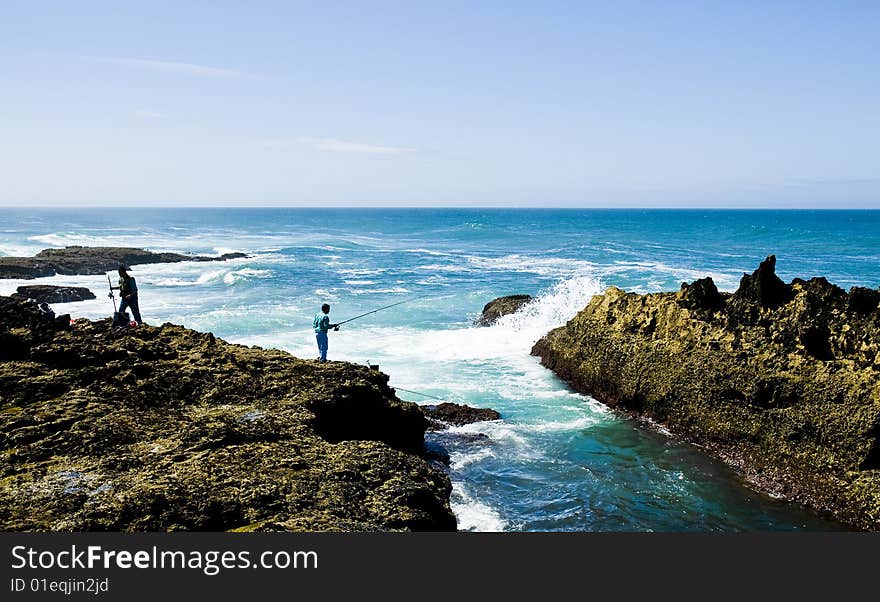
column 335, row 145
column 170, row 67
column 146, row 114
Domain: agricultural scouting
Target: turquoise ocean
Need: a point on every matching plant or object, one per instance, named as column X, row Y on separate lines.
column 557, row 460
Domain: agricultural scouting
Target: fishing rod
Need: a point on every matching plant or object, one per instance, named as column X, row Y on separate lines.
column 380, row 309
column 110, row 283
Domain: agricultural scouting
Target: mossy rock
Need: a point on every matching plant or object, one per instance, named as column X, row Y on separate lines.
column 780, row 380
column 166, row 429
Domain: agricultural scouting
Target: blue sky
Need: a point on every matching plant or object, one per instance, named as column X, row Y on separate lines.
column 607, row 104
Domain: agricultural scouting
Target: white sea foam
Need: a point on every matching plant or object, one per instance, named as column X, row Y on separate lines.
column 356, row 272
column 211, row 276
column 13, row 250
column 472, row 514
column 428, row 252
column 724, row 280
column 436, row 279
column 377, row 291
column 541, row 265
column 551, row 426
column 218, row 251
column 510, row 434
column 459, row 460
column 235, row 276
column 200, row 243
column 655, row 274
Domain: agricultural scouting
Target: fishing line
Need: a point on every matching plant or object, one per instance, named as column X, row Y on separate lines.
column 373, row 366
column 417, row 393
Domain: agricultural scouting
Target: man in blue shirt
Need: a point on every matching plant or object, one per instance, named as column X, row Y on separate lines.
column 322, row 325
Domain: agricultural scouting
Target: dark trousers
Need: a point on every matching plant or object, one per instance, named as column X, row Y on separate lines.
column 132, row 302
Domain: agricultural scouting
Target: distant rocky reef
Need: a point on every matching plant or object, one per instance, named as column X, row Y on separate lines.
column 91, row 261
column 44, row 293
column 169, row 429
column 780, row 380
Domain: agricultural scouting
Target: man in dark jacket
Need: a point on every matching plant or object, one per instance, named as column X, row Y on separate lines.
column 128, row 290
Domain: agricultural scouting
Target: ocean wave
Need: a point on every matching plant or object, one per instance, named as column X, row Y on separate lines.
column 428, row 252
column 724, row 280
column 236, row 276
column 65, row 239
column 355, row 272
column 228, row 277
column 200, row 243
column 514, row 437
column 211, row 276
column 459, row 460
column 553, row 426
column 472, row 514
column 13, row 250
column 436, row 280
column 542, row 266
column 552, row 308
column 378, row 291
column 218, row 251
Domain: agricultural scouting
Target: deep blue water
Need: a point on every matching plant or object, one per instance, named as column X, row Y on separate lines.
column 557, row 460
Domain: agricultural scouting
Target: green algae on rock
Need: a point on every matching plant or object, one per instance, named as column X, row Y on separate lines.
column 781, row 381
column 164, row 428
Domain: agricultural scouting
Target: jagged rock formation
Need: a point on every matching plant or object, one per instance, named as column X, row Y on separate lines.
column 90, row 261
column 43, row 293
column 501, row 306
column 165, row 428
column 780, row 380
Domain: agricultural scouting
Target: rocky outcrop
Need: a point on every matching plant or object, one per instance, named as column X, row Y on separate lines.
column 91, row 261
column 43, row 293
column 164, row 428
column 446, row 414
column 501, row 306
column 782, row 381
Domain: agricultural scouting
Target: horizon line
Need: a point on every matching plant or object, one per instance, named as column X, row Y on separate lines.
column 480, row 207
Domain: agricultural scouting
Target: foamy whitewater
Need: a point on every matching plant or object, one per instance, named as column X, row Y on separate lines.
column 557, row 460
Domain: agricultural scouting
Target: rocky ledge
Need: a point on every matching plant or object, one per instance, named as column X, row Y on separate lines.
column 43, row 293
column 164, row 428
column 501, row 306
column 443, row 415
column 91, row 261
column 781, row 381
